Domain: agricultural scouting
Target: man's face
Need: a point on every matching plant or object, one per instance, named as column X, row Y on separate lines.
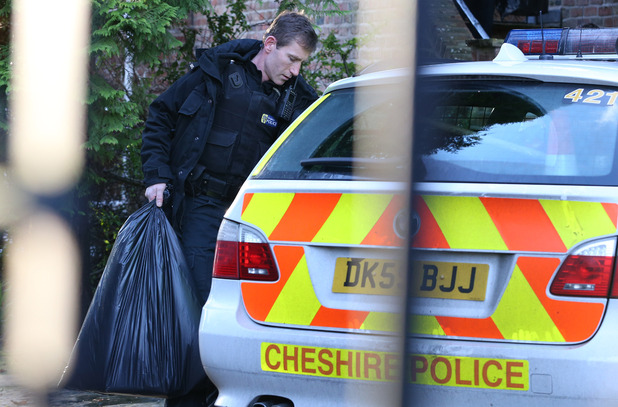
column 282, row 63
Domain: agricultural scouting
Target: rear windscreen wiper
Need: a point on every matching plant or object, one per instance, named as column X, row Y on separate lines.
column 343, row 162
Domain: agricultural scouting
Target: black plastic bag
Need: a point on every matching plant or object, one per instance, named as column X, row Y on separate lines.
column 140, row 333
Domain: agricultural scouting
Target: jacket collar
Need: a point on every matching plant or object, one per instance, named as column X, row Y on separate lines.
column 213, row 60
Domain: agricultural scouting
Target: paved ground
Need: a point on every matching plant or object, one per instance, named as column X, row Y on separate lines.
column 12, row 395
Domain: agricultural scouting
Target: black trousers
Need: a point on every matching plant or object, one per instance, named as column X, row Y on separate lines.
column 199, row 226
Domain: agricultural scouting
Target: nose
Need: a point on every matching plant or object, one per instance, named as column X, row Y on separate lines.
column 295, row 69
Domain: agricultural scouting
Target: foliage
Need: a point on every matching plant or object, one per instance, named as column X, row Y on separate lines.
column 5, row 35
column 310, row 7
column 228, row 25
column 126, row 37
column 331, row 62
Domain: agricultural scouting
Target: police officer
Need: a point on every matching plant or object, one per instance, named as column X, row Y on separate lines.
column 208, row 130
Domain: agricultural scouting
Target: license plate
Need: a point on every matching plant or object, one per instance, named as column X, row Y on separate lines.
column 461, row 281
column 367, row 276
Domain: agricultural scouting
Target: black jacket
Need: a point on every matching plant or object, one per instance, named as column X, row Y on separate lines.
column 180, row 119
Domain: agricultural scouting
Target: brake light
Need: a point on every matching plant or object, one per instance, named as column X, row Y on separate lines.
column 536, row 47
column 587, row 272
column 242, row 253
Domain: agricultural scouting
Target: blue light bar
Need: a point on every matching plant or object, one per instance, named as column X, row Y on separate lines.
column 530, row 42
column 565, row 41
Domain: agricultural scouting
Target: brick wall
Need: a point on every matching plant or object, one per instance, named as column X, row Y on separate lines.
column 449, row 35
column 603, row 13
column 261, row 13
column 450, row 32
column 368, row 23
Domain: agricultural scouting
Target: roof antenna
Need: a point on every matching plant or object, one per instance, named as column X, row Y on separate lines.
column 543, row 55
column 579, row 45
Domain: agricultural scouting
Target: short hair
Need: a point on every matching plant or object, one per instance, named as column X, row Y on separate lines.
column 292, row 26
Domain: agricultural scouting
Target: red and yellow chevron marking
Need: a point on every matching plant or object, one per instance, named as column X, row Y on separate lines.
column 536, row 225
column 292, row 300
column 365, row 219
column 524, row 312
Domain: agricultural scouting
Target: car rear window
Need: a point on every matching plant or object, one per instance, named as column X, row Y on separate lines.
column 342, row 139
column 466, row 130
column 517, row 132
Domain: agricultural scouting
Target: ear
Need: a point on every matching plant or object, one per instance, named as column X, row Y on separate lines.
column 270, row 43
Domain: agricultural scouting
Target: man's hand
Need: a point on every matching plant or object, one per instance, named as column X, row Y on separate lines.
column 156, row 192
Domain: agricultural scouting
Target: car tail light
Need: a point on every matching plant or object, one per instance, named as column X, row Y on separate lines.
column 587, row 272
column 242, row 253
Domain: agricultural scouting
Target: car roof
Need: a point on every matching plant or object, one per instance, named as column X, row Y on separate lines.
column 391, row 76
column 510, row 62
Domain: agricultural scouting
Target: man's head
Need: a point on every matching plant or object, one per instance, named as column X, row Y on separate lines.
column 288, row 42
column 291, row 27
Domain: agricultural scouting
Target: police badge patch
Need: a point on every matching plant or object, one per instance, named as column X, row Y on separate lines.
column 269, row 120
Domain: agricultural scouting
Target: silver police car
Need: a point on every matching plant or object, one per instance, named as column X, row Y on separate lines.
column 511, row 223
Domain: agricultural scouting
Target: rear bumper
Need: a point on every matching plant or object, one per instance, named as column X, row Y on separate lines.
column 246, row 360
column 243, row 369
